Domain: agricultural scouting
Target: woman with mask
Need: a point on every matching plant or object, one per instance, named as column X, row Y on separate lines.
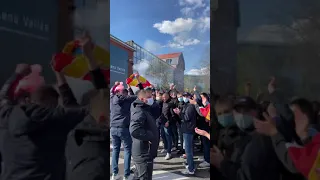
column 230, row 132
column 188, row 114
column 253, row 157
column 181, row 104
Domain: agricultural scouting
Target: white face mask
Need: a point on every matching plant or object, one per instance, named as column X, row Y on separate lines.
column 158, row 98
column 150, row 101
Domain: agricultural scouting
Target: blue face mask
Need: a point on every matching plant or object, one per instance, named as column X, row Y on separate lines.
column 180, row 99
column 185, row 99
column 226, row 120
column 244, row 122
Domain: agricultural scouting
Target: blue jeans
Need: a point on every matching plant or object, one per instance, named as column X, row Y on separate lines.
column 167, row 133
column 188, row 144
column 175, row 136
column 119, row 135
column 206, row 148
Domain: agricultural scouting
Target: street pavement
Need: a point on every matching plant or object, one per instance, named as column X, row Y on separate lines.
column 169, row 169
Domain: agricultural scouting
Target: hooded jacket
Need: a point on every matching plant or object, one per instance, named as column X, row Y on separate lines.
column 86, row 149
column 144, row 132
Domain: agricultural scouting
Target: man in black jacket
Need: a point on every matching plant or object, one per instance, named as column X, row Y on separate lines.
column 175, row 119
column 188, row 114
column 166, row 121
column 120, row 104
column 34, row 135
column 144, row 134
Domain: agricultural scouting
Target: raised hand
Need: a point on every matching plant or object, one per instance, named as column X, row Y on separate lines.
column 195, row 88
column 267, row 126
column 272, row 85
column 23, row 69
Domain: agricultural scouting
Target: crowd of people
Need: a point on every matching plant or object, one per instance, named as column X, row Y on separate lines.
column 251, row 136
column 45, row 134
column 141, row 120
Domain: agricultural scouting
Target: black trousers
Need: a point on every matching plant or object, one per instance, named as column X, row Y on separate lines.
column 143, row 170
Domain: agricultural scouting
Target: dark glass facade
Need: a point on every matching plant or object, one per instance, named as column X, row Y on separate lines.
column 281, row 39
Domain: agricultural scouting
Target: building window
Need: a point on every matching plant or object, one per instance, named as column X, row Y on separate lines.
column 169, row 61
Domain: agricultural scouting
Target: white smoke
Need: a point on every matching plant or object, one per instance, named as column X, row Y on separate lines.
column 95, row 19
column 143, row 68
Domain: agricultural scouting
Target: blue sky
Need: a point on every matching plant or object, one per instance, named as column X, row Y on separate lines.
column 164, row 26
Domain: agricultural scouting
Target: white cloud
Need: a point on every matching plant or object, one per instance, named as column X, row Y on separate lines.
column 187, row 11
column 202, row 71
column 176, row 26
column 194, row 3
column 204, row 24
column 151, row 46
column 206, row 11
column 185, row 30
column 182, row 40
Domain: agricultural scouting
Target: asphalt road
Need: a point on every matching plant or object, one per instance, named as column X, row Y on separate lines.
column 171, row 169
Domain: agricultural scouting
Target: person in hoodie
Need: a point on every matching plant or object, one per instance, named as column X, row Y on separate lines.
column 143, row 131
column 203, row 124
column 86, row 153
column 189, row 116
column 32, row 148
column 181, row 104
column 253, row 157
column 166, row 122
column 120, row 103
column 175, row 119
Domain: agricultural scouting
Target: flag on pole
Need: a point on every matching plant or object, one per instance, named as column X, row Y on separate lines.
column 74, row 64
column 132, row 81
column 205, row 111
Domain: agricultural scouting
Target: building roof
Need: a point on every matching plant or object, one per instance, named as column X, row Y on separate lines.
column 121, row 43
column 171, row 55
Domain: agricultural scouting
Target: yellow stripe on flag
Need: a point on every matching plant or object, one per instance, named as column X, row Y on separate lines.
column 312, row 174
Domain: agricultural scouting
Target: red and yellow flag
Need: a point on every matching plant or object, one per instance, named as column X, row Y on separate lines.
column 132, row 81
column 205, row 111
column 307, row 158
column 74, row 64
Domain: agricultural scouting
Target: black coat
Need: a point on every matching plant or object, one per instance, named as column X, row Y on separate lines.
column 34, row 140
column 188, row 116
column 143, row 131
column 87, row 151
column 253, row 158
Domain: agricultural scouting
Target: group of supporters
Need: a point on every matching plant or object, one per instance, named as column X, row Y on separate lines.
column 271, row 137
column 46, row 134
column 141, row 120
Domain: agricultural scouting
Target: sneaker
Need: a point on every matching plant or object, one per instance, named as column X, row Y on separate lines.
column 168, row 156
column 126, row 177
column 204, row 164
column 132, row 169
column 163, row 151
column 187, row 172
column 115, row 177
column 184, row 156
column 174, row 149
column 181, row 152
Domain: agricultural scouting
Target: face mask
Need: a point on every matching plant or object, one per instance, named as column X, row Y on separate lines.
column 180, row 99
column 226, row 120
column 244, row 122
column 158, row 98
column 185, row 99
column 150, row 101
